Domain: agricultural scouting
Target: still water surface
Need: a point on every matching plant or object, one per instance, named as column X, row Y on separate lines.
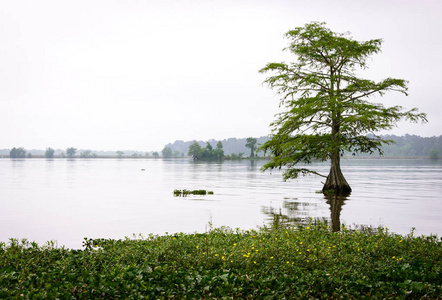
column 67, row 200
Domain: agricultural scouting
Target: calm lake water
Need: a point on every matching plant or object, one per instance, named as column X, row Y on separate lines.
column 67, row 200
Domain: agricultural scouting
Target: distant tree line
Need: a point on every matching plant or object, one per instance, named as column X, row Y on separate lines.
column 411, row 146
column 134, row 154
column 234, row 148
column 168, row 153
column 403, row 146
column 49, row 153
column 17, row 153
column 88, row 154
column 206, row 153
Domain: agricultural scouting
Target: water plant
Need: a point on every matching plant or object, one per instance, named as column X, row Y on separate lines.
column 185, row 192
column 298, row 262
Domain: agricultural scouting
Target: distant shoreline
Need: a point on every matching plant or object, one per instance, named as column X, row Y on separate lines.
column 188, row 157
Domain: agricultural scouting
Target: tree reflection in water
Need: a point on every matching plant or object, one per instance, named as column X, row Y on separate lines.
column 336, row 203
column 295, row 212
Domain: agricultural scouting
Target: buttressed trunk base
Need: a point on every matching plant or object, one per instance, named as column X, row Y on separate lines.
column 336, row 181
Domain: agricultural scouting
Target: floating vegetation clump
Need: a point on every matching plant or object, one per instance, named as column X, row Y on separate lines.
column 185, row 193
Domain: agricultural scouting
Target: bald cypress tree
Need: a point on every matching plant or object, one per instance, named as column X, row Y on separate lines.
column 327, row 106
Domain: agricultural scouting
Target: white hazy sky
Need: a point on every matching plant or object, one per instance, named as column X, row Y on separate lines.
column 137, row 74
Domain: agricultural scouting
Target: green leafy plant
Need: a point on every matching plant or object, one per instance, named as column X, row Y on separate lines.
column 297, row 262
column 191, row 192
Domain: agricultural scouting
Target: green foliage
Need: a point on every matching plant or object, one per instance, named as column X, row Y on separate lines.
column 119, row 154
column 206, row 153
column 230, row 145
column 294, row 263
column 402, row 146
column 327, row 107
column 235, row 156
column 17, row 153
column 87, row 154
column 434, row 153
column 195, row 150
column 166, row 152
column 185, row 192
column 49, row 153
column 409, row 146
column 251, row 143
column 70, row 152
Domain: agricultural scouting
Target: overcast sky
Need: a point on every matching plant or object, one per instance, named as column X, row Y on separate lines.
column 138, row 74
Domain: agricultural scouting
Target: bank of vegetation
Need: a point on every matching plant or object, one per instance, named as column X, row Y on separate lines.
column 406, row 146
column 412, row 146
column 207, row 153
column 294, row 263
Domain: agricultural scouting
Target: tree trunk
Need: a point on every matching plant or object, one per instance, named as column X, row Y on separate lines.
column 335, row 180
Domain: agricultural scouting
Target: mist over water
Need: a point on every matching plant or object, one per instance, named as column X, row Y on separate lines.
column 66, row 200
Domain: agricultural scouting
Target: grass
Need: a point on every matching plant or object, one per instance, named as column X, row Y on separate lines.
column 294, row 263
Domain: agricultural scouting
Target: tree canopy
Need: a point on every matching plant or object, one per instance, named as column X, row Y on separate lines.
column 17, row 153
column 49, row 153
column 87, row 154
column 70, row 152
column 167, row 152
column 251, row 143
column 206, row 153
column 327, row 106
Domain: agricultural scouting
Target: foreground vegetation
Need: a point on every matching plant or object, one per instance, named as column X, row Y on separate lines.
column 295, row 263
